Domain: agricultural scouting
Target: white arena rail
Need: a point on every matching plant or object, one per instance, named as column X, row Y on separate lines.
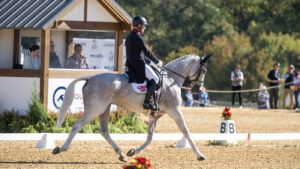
column 156, row 137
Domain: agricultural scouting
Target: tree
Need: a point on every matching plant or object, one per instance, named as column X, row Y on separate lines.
column 228, row 52
column 175, row 24
column 252, row 33
column 190, row 49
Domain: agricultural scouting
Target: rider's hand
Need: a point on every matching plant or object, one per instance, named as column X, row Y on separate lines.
column 160, row 63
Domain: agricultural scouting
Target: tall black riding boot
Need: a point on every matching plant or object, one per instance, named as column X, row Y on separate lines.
column 150, row 102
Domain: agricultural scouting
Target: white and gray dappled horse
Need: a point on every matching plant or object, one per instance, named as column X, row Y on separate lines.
column 100, row 91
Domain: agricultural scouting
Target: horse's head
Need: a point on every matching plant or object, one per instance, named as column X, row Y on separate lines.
column 197, row 72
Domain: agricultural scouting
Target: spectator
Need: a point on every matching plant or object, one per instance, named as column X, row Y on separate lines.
column 186, row 93
column 237, row 78
column 263, row 98
column 297, row 89
column 274, row 80
column 203, row 97
column 288, row 82
column 34, row 60
column 77, row 61
column 54, row 59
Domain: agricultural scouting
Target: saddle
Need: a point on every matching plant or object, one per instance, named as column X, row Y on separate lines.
column 142, row 87
column 139, row 87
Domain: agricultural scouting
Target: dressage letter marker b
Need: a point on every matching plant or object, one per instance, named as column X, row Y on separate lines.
column 228, row 127
column 223, row 127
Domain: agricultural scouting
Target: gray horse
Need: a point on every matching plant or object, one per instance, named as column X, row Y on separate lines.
column 100, row 91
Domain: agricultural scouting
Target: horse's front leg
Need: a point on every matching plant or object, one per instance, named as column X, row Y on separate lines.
column 178, row 117
column 151, row 127
column 104, row 121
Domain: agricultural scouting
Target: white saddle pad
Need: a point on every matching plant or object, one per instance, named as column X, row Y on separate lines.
column 139, row 87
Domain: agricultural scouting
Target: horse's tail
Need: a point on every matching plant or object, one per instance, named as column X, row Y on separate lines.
column 68, row 99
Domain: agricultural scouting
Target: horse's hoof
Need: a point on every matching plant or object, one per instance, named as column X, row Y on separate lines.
column 131, row 152
column 123, row 158
column 201, row 158
column 55, row 150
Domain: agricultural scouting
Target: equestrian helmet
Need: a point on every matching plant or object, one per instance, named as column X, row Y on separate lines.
column 139, row 20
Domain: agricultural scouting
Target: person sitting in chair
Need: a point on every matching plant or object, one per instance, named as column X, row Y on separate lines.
column 138, row 59
column 77, row 60
column 263, row 98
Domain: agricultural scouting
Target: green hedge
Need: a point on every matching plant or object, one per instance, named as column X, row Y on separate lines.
column 39, row 120
column 12, row 122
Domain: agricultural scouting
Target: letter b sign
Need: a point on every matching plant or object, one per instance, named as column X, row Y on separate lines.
column 227, row 126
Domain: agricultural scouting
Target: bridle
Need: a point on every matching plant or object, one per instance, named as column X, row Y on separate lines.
column 201, row 71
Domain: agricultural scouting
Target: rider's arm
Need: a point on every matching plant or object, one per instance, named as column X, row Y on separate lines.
column 146, row 51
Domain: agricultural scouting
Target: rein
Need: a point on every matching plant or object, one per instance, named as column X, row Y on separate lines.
column 198, row 73
column 174, row 72
column 202, row 61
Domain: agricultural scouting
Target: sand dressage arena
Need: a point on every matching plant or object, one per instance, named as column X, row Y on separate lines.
column 163, row 154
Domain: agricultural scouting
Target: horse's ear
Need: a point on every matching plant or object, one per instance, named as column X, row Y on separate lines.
column 205, row 57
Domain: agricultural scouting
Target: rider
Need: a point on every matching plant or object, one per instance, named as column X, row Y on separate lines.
column 138, row 59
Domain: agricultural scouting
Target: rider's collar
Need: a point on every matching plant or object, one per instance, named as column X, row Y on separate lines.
column 136, row 30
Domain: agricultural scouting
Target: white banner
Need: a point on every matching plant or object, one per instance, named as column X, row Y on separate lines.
column 56, row 92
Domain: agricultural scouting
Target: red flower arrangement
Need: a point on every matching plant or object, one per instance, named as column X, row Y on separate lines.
column 138, row 163
column 226, row 114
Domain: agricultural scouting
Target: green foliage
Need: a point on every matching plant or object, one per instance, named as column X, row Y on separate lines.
column 228, row 52
column 190, row 49
column 29, row 129
column 17, row 123
column 92, row 127
column 66, row 129
column 253, row 33
column 127, row 123
column 11, row 122
column 279, row 47
column 3, row 125
column 220, row 143
column 38, row 120
column 37, row 112
column 174, row 23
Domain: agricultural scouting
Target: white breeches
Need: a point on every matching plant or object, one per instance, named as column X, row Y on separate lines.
column 150, row 74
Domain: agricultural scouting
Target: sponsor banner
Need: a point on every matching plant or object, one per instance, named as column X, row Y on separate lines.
column 100, row 53
column 56, row 93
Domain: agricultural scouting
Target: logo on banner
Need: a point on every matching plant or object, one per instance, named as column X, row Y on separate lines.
column 58, row 96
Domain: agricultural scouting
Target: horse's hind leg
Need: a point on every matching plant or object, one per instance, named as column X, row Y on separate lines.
column 178, row 117
column 87, row 117
column 151, row 127
column 104, row 121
